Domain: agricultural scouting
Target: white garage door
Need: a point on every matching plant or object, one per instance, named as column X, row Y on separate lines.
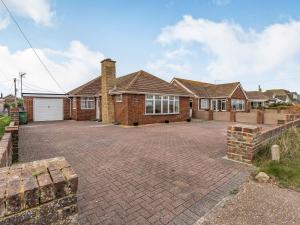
column 47, row 109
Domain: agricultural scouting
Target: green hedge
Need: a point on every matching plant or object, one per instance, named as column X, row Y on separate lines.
column 4, row 121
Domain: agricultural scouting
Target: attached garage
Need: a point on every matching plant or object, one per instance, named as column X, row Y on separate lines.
column 46, row 107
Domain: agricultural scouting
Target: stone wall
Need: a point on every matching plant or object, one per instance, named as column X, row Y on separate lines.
column 243, row 141
column 9, row 147
column 39, row 192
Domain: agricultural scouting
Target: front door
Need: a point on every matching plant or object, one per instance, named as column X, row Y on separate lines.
column 191, row 108
column 97, row 109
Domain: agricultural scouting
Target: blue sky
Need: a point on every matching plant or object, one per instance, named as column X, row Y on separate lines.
column 254, row 42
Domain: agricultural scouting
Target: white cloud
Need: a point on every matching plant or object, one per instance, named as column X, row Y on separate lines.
column 70, row 68
column 236, row 53
column 4, row 22
column 171, row 63
column 37, row 10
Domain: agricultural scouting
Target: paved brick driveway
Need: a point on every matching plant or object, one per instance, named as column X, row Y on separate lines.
column 157, row 174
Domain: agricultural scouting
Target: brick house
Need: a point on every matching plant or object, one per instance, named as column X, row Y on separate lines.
column 216, row 97
column 136, row 98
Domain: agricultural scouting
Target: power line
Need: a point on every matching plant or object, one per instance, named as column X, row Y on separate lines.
column 33, row 86
column 27, row 40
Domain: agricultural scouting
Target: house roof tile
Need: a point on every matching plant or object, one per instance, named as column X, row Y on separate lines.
column 137, row 82
column 202, row 89
column 257, row 95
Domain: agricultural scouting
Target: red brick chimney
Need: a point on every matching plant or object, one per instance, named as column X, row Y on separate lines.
column 108, row 82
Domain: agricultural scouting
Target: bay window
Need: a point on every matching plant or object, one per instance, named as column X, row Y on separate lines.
column 157, row 104
column 87, row 103
column 238, row 104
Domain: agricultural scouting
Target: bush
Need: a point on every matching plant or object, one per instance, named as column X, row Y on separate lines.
column 4, row 121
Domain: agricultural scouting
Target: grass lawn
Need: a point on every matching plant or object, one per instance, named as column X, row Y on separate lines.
column 287, row 171
column 4, row 121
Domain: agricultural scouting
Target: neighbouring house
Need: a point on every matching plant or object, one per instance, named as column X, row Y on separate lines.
column 136, row 98
column 295, row 97
column 257, row 99
column 278, row 96
column 216, row 97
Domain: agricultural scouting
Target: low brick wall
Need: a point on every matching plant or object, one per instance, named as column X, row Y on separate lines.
column 9, row 146
column 6, row 150
column 39, row 192
column 221, row 116
column 14, row 131
column 246, row 117
column 244, row 141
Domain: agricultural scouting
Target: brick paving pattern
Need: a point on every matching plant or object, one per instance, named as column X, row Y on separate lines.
column 157, row 174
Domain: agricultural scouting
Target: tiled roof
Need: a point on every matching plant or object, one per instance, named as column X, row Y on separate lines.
column 138, row 82
column 90, row 88
column 257, row 95
column 202, row 89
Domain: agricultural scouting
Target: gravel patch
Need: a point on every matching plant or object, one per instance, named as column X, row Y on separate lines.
column 257, row 204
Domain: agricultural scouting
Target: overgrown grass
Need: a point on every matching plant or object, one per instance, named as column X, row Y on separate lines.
column 287, row 171
column 4, row 121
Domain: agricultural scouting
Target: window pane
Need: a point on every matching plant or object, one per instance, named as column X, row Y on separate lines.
column 158, row 104
column 165, row 105
column 223, row 105
column 149, row 106
column 176, row 106
column 149, row 96
column 171, row 105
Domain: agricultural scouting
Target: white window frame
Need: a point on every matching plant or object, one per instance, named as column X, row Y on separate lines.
column 238, row 101
column 201, row 104
column 223, row 100
column 217, row 105
column 119, row 98
column 84, row 103
column 74, row 103
column 162, row 98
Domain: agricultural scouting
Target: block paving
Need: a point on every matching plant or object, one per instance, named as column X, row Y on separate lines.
column 156, row 174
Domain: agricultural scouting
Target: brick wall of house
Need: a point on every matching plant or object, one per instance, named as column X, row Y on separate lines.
column 82, row 114
column 67, row 103
column 28, row 105
column 132, row 110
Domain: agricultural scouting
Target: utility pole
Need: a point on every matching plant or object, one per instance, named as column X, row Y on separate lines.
column 15, row 84
column 21, row 78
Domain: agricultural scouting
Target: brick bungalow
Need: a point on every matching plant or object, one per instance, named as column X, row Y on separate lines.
column 257, row 99
column 216, row 97
column 136, row 98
